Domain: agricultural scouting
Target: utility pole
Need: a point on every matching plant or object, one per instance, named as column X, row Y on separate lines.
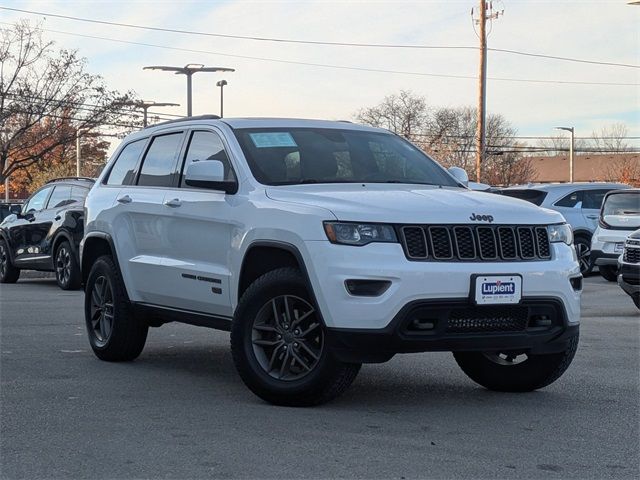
column 486, row 12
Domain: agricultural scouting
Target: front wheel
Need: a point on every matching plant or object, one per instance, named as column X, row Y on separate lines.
column 609, row 272
column 279, row 347
column 513, row 371
column 582, row 244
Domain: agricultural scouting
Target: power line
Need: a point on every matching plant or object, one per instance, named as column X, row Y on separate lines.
column 314, row 42
column 338, row 67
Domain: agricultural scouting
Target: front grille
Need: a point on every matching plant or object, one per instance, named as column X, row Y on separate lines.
column 631, row 255
column 488, row 319
column 475, row 242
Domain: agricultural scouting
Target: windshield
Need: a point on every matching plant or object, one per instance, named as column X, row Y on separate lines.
column 622, row 204
column 290, row 156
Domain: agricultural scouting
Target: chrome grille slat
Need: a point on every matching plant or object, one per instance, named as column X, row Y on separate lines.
column 510, row 243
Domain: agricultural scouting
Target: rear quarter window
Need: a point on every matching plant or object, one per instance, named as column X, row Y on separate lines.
column 534, row 196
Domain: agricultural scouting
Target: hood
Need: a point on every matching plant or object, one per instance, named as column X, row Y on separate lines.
column 391, row 203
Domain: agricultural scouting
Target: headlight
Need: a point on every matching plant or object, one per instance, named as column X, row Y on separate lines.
column 359, row 233
column 560, row 233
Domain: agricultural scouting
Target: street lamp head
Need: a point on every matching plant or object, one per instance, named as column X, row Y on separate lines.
column 568, row 129
column 194, row 66
column 221, row 83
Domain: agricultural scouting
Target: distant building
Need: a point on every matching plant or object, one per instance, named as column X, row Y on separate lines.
column 620, row 167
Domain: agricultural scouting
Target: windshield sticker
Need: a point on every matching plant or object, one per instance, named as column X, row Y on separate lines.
column 272, row 139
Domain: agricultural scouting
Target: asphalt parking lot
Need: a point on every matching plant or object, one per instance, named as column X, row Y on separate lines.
column 180, row 410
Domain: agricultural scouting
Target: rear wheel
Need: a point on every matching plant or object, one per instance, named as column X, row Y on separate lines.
column 67, row 268
column 609, row 272
column 582, row 244
column 278, row 344
column 8, row 273
column 115, row 334
column 513, row 371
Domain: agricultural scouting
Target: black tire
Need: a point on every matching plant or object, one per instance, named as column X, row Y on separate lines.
column 66, row 267
column 8, row 272
column 324, row 378
column 537, row 371
column 609, row 272
column 582, row 244
column 115, row 334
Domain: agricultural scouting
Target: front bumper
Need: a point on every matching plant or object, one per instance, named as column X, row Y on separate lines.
column 541, row 329
column 629, row 278
column 599, row 257
column 329, row 266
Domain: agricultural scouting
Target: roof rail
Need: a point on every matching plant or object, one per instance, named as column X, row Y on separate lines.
column 187, row 119
column 61, row 179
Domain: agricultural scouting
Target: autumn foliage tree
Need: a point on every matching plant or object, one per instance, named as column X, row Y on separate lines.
column 47, row 97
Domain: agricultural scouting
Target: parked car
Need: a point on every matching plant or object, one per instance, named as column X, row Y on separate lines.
column 579, row 204
column 619, row 217
column 322, row 246
column 629, row 267
column 7, row 208
column 45, row 233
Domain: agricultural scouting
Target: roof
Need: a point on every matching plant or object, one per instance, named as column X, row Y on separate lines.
column 263, row 122
column 587, row 168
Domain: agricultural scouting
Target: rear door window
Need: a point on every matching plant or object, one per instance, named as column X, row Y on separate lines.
column 60, row 197
column 123, row 171
column 78, row 194
column 593, row 199
column 159, row 167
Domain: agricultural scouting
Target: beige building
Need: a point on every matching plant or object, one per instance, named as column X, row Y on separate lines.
column 622, row 167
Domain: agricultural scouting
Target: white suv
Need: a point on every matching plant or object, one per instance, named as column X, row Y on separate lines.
column 322, row 246
column 619, row 217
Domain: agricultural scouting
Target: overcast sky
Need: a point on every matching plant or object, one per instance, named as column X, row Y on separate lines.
column 593, row 30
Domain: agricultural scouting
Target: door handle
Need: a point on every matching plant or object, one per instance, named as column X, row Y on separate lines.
column 57, row 217
column 125, row 199
column 174, row 203
column 592, row 217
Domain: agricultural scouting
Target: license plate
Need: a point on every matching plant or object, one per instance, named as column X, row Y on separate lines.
column 497, row 289
column 619, row 247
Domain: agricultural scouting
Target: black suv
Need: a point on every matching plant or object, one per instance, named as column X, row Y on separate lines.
column 45, row 233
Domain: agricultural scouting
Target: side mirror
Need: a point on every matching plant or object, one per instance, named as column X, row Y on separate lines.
column 460, row 175
column 209, row 174
column 15, row 209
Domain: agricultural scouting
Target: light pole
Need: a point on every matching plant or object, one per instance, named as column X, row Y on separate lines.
column 78, row 155
column 221, row 84
column 145, row 104
column 569, row 129
column 188, row 70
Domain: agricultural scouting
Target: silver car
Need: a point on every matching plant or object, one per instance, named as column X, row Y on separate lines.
column 579, row 203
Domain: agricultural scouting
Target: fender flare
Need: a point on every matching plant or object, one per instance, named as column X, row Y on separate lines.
column 289, row 247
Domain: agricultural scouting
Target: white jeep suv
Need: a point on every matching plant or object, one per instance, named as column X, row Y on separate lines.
column 321, row 246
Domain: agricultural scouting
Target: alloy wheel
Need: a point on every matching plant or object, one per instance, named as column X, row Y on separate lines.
column 287, row 338
column 583, row 252
column 506, row 358
column 63, row 265
column 4, row 260
column 102, row 310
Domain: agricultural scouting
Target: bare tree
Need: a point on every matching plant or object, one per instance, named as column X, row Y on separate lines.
column 625, row 169
column 46, row 95
column 404, row 113
column 611, row 139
